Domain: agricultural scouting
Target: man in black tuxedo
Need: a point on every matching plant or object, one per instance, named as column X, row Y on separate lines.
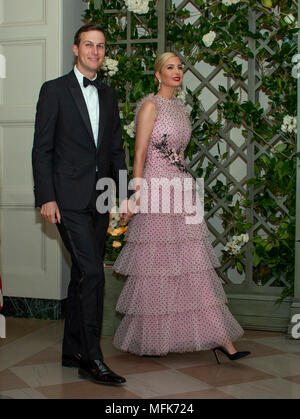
column 78, row 141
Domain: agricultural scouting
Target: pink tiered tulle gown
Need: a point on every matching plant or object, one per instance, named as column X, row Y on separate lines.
column 173, row 300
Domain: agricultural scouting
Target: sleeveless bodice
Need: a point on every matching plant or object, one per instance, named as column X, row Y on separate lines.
column 169, row 138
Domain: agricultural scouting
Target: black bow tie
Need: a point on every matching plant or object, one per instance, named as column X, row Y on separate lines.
column 87, row 82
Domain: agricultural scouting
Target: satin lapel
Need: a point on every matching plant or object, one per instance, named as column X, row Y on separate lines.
column 102, row 111
column 80, row 102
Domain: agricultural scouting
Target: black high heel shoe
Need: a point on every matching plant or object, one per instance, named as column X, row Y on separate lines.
column 232, row 357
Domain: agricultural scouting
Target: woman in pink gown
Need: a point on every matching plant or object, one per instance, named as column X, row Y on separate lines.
column 173, row 300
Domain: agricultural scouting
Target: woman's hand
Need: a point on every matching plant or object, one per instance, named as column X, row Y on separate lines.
column 125, row 211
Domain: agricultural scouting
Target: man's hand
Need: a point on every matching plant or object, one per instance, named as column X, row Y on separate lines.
column 51, row 212
column 125, row 210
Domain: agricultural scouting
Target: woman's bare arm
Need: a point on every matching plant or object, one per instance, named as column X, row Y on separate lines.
column 144, row 127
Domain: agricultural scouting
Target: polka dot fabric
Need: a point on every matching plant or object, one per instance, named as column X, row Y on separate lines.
column 173, row 300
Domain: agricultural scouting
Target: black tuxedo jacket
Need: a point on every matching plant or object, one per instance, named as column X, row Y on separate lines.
column 64, row 154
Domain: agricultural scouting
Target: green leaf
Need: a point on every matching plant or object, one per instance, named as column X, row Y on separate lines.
column 269, row 247
column 240, row 267
column 281, row 147
column 267, row 3
column 222, row 89
column 256, row 260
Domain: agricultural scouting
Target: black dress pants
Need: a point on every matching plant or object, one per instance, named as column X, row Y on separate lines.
column 83, row 233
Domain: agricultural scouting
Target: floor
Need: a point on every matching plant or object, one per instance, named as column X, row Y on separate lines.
column 30, row 368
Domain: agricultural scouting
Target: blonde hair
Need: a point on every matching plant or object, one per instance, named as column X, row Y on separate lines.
column 160, row 61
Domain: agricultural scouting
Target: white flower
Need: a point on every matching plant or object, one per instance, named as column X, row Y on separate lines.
column 110, row 66
column 141, row 31
column 130, row 129
column 236, row 244
column 232, row 248
column 242, row 238
column 289, row 19
column 114, row 223
column 137, row 6
column 230, row 2
column 245, row 237
column 114, row 217
column 296, row 58
column 209, row 38
column 289, row 124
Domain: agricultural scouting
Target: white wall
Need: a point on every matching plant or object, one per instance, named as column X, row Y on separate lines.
column 36, row 38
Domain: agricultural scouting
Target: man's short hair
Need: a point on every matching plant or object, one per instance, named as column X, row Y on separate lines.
column 86, row 28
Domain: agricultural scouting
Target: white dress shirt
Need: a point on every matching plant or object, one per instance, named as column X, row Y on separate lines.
column 91, row 98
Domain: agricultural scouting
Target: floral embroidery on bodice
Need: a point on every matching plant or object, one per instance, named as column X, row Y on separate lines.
column 170, row 135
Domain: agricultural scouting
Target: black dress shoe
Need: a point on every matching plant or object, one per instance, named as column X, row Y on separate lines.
column 71, row 360
column 99, row 373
